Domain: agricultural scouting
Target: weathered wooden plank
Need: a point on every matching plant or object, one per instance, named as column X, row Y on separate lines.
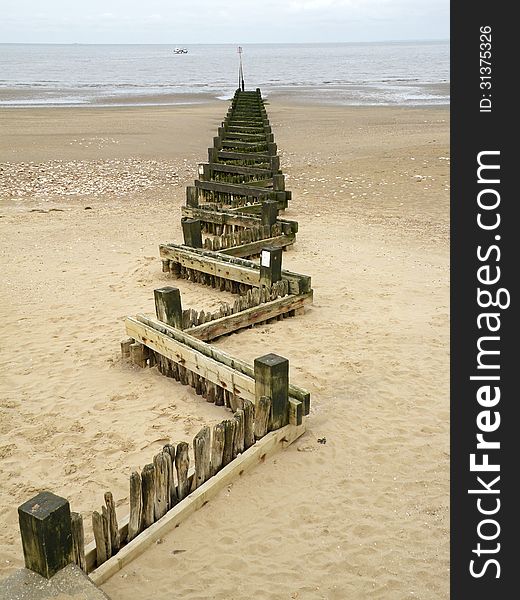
column 211, row 265
column 254, row 146
column 252, row 248
column 257, row 314
column 218, row 355
column 261, row 183
column 239, row 170
column 237, row 189
column 264, row 448
column 245, row 136
column 196, row 362
column 237, row 217
column 262, row 157
column 233, row 268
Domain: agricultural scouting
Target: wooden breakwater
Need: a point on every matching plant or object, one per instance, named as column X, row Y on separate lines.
column 230, row 219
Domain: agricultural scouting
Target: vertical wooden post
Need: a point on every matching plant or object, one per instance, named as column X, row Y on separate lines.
column 192, row 232
column 182, row 464
column 270, row 266
column 192, row 196
column 99, row 537
column 218, row 440
column 204, row 172
column 125, row 347
column 162, row 493
column 46, row 531
column 148, row 491
column 138, row 354
column 272, row 380
column 238, row 438
column 212, row 155
column 269, row 212
column 78, row 540
column 169, row 450
column 168, row 306
column 262, row 413
column 229, row 435
column 279, row 182
column 136, row 506
column 249, row 433
column 202, row 453
column 115, row 540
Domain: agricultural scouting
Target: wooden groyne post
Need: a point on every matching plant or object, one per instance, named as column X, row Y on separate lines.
column 46, row 531
column 168, row 306
column 270, row 266
column 272, row 380
column 192, row 232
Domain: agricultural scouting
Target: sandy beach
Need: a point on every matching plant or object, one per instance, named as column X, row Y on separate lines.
column 86, row 196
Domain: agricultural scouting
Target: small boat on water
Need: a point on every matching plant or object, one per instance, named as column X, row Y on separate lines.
column 180, row 51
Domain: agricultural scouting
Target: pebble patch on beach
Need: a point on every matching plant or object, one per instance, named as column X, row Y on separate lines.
column 60, row 178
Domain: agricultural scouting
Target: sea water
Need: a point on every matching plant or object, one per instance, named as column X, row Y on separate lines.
column 383, row 73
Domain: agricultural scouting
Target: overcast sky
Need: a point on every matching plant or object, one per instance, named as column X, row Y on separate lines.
column 221, row 21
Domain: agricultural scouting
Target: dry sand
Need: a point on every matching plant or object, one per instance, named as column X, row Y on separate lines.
column 364, row 515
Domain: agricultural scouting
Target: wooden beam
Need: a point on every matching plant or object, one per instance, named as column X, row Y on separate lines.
column 262, row 449
column 245, row 136
column 219, row 355
column 230, row 216
column 252, row 146
column 226, row 377
column 213, row 265
column 233, row 380
column 221, row 217
column 214, row 329
column 245, row 250
column 260, row 135
column 237, row 189
column 223, row 168
column 257, row 156
column 228, row 267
